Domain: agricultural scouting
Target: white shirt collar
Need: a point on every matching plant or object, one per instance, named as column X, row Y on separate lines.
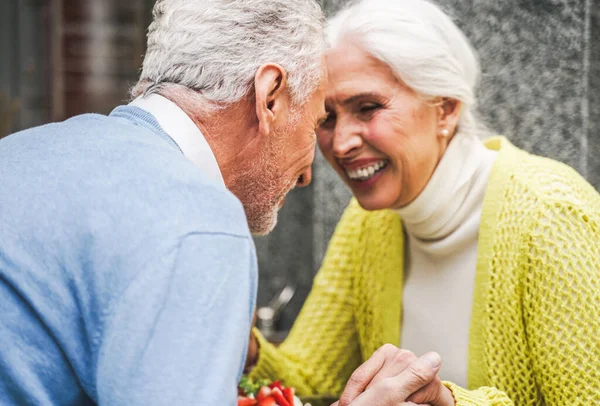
column 180, row 127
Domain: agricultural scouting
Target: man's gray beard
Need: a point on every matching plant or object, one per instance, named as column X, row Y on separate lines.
column 263, row 189
column 261, row 192
column 264, row 223
column 263, row 199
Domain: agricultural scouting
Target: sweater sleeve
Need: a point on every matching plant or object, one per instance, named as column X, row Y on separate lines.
column 561, row 282
column 562, row 303
column 178, row 334
column 322, row 349
column 484, row 396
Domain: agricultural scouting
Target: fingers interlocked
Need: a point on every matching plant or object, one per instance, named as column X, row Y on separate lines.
column 391, row 376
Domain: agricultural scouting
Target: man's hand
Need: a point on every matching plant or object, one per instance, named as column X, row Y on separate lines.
column 396, row 377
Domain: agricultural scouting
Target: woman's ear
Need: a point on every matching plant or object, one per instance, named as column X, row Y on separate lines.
column 272, row 97
column 449, row 114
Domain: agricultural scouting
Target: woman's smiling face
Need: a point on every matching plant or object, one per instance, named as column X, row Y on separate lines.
column 381, row 137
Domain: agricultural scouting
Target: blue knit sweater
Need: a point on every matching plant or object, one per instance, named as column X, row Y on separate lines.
column 127, row 277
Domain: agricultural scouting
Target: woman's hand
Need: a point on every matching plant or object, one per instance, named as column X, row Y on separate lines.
column 396, row 377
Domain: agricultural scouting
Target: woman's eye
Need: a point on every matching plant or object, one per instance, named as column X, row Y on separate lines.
column 369, row 108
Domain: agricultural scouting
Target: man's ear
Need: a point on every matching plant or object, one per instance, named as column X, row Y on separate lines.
column 272, row 98
column 449, row 113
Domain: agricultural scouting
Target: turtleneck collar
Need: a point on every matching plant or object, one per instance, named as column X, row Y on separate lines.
column 453, row 192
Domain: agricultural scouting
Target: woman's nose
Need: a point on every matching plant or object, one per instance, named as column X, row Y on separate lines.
column 346, row 138
column 305, row 178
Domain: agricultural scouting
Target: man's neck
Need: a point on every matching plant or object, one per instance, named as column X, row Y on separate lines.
column 228, row 132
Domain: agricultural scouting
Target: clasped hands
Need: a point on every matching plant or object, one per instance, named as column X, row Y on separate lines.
column 396, row 377
column 391, row 377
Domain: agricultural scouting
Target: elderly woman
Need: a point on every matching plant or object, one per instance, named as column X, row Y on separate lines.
column 476, row 250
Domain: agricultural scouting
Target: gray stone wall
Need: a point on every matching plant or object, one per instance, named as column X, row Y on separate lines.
column 593, row 139
column 540, row 87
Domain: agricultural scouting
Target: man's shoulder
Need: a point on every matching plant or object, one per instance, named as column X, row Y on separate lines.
column 214, row 209
column 88, row 136
column 99, row 170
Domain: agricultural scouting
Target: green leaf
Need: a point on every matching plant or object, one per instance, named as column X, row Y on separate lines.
column 250, row 386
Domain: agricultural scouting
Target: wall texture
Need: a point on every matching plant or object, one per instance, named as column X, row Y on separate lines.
column 593, row 127
column 60, row 58
column 24, row 64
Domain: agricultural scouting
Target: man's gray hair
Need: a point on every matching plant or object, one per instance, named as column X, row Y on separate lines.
column 421, row 45
column 215, row 47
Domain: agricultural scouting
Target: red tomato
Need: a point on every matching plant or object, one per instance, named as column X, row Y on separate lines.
column 246, row 401
column 263, row 392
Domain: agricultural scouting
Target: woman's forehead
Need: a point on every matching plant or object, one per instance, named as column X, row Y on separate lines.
column 347, row 57
column 347, row 63
column 358, row 80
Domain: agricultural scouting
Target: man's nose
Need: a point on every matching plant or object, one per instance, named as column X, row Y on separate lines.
column 305, row 178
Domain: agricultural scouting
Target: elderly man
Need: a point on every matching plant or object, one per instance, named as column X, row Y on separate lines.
column 127, row 268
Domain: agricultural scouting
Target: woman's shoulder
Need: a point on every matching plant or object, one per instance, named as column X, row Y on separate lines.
column 545, row 180
column 564, row 197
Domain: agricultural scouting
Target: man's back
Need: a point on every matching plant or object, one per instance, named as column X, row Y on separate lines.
column 126, row 275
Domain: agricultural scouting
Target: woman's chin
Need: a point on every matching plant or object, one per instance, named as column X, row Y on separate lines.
column 376, row 195
column 372, row 203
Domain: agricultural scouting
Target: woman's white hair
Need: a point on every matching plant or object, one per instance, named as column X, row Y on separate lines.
column 421, row 45
column 214, row 47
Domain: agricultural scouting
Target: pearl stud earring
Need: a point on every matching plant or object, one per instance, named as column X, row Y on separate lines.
column 445, row 132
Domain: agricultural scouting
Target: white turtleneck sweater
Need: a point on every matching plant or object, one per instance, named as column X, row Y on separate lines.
column 442, row 227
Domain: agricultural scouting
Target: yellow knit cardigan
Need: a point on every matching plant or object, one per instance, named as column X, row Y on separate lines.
column 535, row 325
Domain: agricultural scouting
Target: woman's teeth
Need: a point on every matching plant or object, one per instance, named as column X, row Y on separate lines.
column 367, row 172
